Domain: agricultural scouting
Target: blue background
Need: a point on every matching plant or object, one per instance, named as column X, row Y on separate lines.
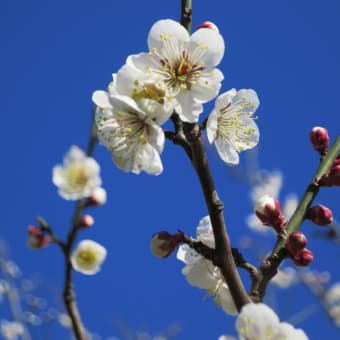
column 54, row 54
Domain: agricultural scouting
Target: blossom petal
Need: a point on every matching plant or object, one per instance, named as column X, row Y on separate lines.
column 207, row 86
column 101, row 99
column 166, row 29
column 227, row 151
column 212, row 43
column 212, row 126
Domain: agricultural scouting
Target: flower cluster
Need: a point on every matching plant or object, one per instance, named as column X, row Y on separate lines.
column 201, row 272
column 177, row 74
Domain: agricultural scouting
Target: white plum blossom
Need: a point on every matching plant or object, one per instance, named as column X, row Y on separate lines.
column 134, row 139
column 88, row 257
column 182, row 65
column 202, row 273
column 78, row 177
column 285, row 277
column 11, row 330
column 259, row 322
column 231, row 124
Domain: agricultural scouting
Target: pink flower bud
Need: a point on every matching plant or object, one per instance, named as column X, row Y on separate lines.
column 332, row 178
column 296, row 242
column 85, row 221
column 208, row 24
column 320, row 139
column 320, row 215
column 268, row 210
column 97, row 198
column 163, row 244
column 36, row 238
column 303, row 258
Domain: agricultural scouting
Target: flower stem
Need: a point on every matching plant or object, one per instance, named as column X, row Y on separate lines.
column 186, row 14
column 68, row 293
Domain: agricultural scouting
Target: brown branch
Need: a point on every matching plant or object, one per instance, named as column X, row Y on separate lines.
column 270, row 265
column 68, row 292
column 223, row 257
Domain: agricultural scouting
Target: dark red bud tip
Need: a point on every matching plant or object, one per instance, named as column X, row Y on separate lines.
column 319, row 139
column 296, row 241
column 208, row 24
column 303, row 258
column 320, row 215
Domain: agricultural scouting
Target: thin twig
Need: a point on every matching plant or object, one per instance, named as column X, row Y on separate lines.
column 270, row 265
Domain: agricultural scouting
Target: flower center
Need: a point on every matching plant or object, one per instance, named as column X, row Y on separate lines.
column 86, row 258
column 179, row 68
column 77, row 176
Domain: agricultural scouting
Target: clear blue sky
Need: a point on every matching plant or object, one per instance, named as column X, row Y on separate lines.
column 54, row 54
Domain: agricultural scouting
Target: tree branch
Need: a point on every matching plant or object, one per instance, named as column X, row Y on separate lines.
column 223, row 257
column 270, row 265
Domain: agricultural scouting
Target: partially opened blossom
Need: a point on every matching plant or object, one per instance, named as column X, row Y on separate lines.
column 88, row 257
column 231, row 124
column 134, row 139
column 185, row 64
column 202, row 273
column 78, row 177
column 259, row 322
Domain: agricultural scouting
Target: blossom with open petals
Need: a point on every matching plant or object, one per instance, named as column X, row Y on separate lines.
column 134, row 139
column 202, row 273
column 259, row 322
column 78, row 177
column 231, row 124
column 185, row 64
column 88, row 257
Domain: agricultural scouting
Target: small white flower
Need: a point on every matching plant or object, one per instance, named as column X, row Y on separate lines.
column 201, row 273
column 185, row 64
column 134, row 139
column 88, row 257
column 231, row 124
column 259, row 322
column 11, row 330
column 285, row 277
column 78, row 177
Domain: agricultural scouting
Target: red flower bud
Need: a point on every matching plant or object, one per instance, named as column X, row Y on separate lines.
column 97, row 198
column 85, row 221
column 163, row 244
column 296, row 241
column 268, row 210
column 332, row 178
column 320, row 215
column 320, row 139
column 208, row 24
column 303, row 258
column 36, row 238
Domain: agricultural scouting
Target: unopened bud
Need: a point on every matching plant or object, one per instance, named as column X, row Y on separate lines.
column 36, row 238
column 97, row 198
column 268, row 210
column 320, row 215
column 208, row 24
column 303, row 258
column 332, row 178
column 296, row 241
column 85, row 221
column 163, row 244
column 320, row 139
